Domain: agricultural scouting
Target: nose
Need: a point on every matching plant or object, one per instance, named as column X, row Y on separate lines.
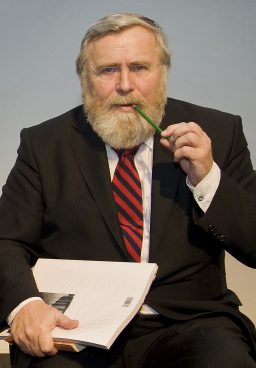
column 125, row 83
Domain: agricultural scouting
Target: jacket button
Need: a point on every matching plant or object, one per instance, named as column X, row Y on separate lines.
column 212, row 230
column 221, row 238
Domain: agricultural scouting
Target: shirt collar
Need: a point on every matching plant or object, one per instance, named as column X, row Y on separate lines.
column 148, row 143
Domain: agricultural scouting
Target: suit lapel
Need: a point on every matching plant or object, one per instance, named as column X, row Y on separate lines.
column 91, row 157
column 166, row 176
column 165, row 180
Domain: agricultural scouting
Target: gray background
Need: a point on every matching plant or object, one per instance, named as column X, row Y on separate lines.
column 212, row 41
column 214, row 60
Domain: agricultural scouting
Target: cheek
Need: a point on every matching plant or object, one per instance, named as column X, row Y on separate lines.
column 102, row 89
column 149, row 88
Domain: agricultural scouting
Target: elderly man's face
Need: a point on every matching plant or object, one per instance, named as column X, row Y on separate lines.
column 124, row 69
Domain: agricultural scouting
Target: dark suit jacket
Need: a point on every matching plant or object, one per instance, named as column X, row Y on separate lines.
column 58, row 203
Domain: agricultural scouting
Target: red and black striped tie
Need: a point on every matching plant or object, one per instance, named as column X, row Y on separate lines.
column 128, row 197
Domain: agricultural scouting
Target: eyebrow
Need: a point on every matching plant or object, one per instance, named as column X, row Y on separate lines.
column 109, row 65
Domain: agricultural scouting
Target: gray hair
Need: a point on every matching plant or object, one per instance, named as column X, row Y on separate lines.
column 116, row 23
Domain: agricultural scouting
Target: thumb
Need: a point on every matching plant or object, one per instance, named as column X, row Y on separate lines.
column 66, row 322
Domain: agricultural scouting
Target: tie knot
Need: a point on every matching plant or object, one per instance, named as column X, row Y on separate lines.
column 128, row 152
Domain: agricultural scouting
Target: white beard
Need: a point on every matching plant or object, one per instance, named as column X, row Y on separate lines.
column 123, row 129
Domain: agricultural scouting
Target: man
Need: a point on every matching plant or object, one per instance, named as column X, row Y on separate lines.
column 198, row 190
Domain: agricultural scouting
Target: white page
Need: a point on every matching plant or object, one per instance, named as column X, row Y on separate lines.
column 101, row 290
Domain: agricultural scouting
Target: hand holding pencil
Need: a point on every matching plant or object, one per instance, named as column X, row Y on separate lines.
column 190, row 145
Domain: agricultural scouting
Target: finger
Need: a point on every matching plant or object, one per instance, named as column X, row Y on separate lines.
column 184, row 128
column 37, row 342
column 66, row 322
column 178, row 130
column 29, row 351
column 165, row 143
column 168, row 132
column 185, row 152
column 189, row 139
column 31, row 348
column 46, row 344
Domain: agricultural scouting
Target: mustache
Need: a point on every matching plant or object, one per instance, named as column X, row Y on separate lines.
column 125, row 100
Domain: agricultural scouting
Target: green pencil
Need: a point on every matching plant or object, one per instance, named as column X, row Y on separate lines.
column 146, row 117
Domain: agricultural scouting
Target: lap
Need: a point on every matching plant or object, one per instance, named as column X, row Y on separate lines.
column 209, row 342
column 212, row 342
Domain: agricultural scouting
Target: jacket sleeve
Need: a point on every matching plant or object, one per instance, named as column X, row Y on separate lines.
column 21, row 209
column 231, row 217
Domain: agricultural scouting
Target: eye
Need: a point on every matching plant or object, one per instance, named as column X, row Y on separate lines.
column 109, row 70
column 138, row 68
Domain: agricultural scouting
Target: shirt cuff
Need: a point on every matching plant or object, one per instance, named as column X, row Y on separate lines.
column 204, row 191
column 11, row 316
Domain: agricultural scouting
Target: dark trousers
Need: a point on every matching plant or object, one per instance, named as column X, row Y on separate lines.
column 158, row 342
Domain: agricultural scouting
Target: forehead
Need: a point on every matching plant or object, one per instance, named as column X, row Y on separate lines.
column 133, row 43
